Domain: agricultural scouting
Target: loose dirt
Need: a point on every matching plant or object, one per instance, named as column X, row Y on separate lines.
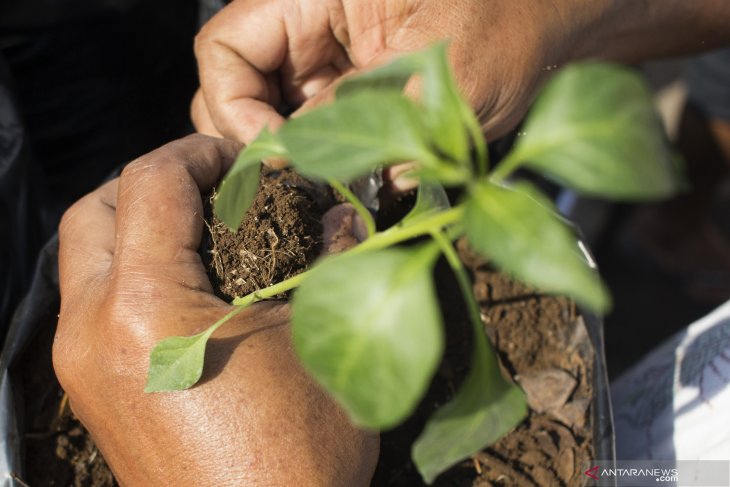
column 278, row 238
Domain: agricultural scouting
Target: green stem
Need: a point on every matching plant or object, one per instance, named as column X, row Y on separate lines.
column 506, row 167
column 271, row 291
column 398, row 234
column 364, row 213
column 466, row 289
column 227, row 317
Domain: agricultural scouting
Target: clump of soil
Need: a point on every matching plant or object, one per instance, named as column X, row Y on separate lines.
column 279, row 237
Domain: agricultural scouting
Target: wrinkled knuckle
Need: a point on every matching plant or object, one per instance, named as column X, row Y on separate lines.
column 149, row 167
column 74, row 214
column 131, row 315
column 203, row 38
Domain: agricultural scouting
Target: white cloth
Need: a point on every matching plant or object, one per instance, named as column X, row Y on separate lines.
column 675, row 403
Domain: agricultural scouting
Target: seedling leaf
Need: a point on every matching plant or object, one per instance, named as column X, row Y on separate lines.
column 485, row 408
column 176, row 363
column 594, row 128
column 350, row 138
column 367, row 327
column 392, row 76
column 521, row 232
column 446, row 117
column 238, row 189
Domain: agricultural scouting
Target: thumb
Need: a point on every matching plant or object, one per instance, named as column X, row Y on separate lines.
column 342, row 229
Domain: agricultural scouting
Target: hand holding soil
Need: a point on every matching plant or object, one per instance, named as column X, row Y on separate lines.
column 131, row 275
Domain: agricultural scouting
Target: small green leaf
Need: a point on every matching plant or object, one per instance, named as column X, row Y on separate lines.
column 238, row 189
column 176, row 363
column 484, row 409
column 349, row 138
column 594, row 128
column 367, row 327
column 520, row 231
column 431, row 198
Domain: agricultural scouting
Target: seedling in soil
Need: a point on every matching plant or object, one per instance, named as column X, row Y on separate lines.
column 366, row 322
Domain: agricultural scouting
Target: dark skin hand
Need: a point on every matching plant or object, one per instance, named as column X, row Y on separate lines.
column 130, row 275
column 302, row 49
column 257, row 55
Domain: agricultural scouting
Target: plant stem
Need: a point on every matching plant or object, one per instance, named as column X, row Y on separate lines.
column 398, row 234
column 271, row 291
column 466, row 288
column 506, row 167
column 221, row 321
column 364, row 213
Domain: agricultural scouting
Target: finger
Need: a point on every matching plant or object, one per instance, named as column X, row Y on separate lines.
column 159, row 219
column 201, row 117
column 233, row 69
column 86, row 241
column 400, row 178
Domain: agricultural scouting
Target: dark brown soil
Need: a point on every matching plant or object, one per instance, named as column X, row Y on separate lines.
column 59, row 451
column 540, row 340
column 278, row 238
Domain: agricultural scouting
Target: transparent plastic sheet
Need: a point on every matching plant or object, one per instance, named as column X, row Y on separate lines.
column 39, row 308
column 603, row 429
column 604, row 436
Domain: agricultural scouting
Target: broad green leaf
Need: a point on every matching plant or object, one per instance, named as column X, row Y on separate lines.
column 238, row 189
column 444, row 105
column 368, row 328
column 518, row 229
column 392, row 76
column 349, row 138
column 431, row 198
column 594, row 128
column 176, row 363
column 485, row 408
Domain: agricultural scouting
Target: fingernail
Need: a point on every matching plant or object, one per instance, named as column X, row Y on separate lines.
column 275, row 162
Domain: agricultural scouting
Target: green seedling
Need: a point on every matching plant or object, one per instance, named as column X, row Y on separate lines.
column 366, row 323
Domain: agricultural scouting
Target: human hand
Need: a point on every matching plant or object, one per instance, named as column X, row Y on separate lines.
column 256, row 56
column 130, row 276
